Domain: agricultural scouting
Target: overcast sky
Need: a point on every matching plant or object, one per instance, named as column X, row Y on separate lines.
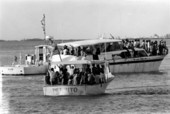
column 83, row 19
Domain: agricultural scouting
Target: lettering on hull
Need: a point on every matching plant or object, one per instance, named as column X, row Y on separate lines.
column 69, row 90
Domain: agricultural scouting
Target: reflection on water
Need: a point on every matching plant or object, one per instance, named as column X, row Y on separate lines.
column 4, row 103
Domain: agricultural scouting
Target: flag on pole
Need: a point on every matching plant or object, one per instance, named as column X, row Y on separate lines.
column 43, row 22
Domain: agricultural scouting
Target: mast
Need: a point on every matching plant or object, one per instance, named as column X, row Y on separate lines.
column 43, row 26
column 20, row 58
column 49, row 37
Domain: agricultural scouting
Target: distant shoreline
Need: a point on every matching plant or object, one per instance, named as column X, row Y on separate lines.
column 39, row 40
column 36, row 39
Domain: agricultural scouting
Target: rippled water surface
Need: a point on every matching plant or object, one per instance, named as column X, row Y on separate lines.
column 127, row 93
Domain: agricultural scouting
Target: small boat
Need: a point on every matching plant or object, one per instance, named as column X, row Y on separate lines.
column 34, row 64
column 80, row 89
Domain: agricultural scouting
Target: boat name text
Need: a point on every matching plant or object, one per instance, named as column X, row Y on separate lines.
column 70, row 90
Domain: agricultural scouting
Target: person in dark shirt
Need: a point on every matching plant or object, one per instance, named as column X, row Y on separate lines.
column 88, row 69
column 155, row 48
column 98, row 69
column 165, row 48
column 72, row 51
column 47, row 78
column 94, row 69
column 78, row 51
column 160, row 48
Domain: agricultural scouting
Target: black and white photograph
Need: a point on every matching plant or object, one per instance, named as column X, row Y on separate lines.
column 84, row 56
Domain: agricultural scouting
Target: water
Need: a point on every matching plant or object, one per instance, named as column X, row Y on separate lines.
column 128, row 93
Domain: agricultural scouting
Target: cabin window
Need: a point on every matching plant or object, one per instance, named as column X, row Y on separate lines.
column 125, row 55
column 113, row 46
column 57, row 50
column 41, row 57
column 88, row 50
column 40, row 49
column 141, row 53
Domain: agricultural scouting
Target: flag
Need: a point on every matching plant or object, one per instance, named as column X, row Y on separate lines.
column 43, row 22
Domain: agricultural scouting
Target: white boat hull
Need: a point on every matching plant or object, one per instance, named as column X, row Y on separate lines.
column 23, row 70
column 129, row 65
column 71, row 90
column 134, row 65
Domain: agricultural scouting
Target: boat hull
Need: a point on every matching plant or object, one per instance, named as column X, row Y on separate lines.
column 129, row 65
column 71, row 90
column 23, row 70
column 134, row 65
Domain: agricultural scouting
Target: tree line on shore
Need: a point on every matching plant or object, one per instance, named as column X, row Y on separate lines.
column 167, row 36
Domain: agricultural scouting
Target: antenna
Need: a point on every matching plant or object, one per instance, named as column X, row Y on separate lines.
column 20, row 58
column 43, row 25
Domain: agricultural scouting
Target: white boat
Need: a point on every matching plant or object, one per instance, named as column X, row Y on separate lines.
column 118, row 61
column 80, row 89
column 34, row 64
column 24, row 69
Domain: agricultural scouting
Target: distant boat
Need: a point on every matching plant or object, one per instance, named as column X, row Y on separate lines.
column 80, row 89
column 117, row 57
column 34, row 64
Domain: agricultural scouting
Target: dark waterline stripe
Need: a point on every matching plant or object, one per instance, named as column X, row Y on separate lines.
column 130, row 62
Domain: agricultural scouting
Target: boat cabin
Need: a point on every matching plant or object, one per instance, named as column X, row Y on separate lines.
column 42, row 53
column 98, row 49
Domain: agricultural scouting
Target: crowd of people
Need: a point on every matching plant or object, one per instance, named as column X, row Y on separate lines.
column 151, row 47
column 78, row 51
column 69, row 75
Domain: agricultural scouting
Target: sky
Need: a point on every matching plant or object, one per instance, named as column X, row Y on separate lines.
column 83, row 19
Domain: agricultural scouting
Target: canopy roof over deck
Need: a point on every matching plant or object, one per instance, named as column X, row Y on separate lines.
column 88, row 42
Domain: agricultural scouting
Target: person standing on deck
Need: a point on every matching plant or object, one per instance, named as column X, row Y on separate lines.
column 52, row 76
column 15, row 60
